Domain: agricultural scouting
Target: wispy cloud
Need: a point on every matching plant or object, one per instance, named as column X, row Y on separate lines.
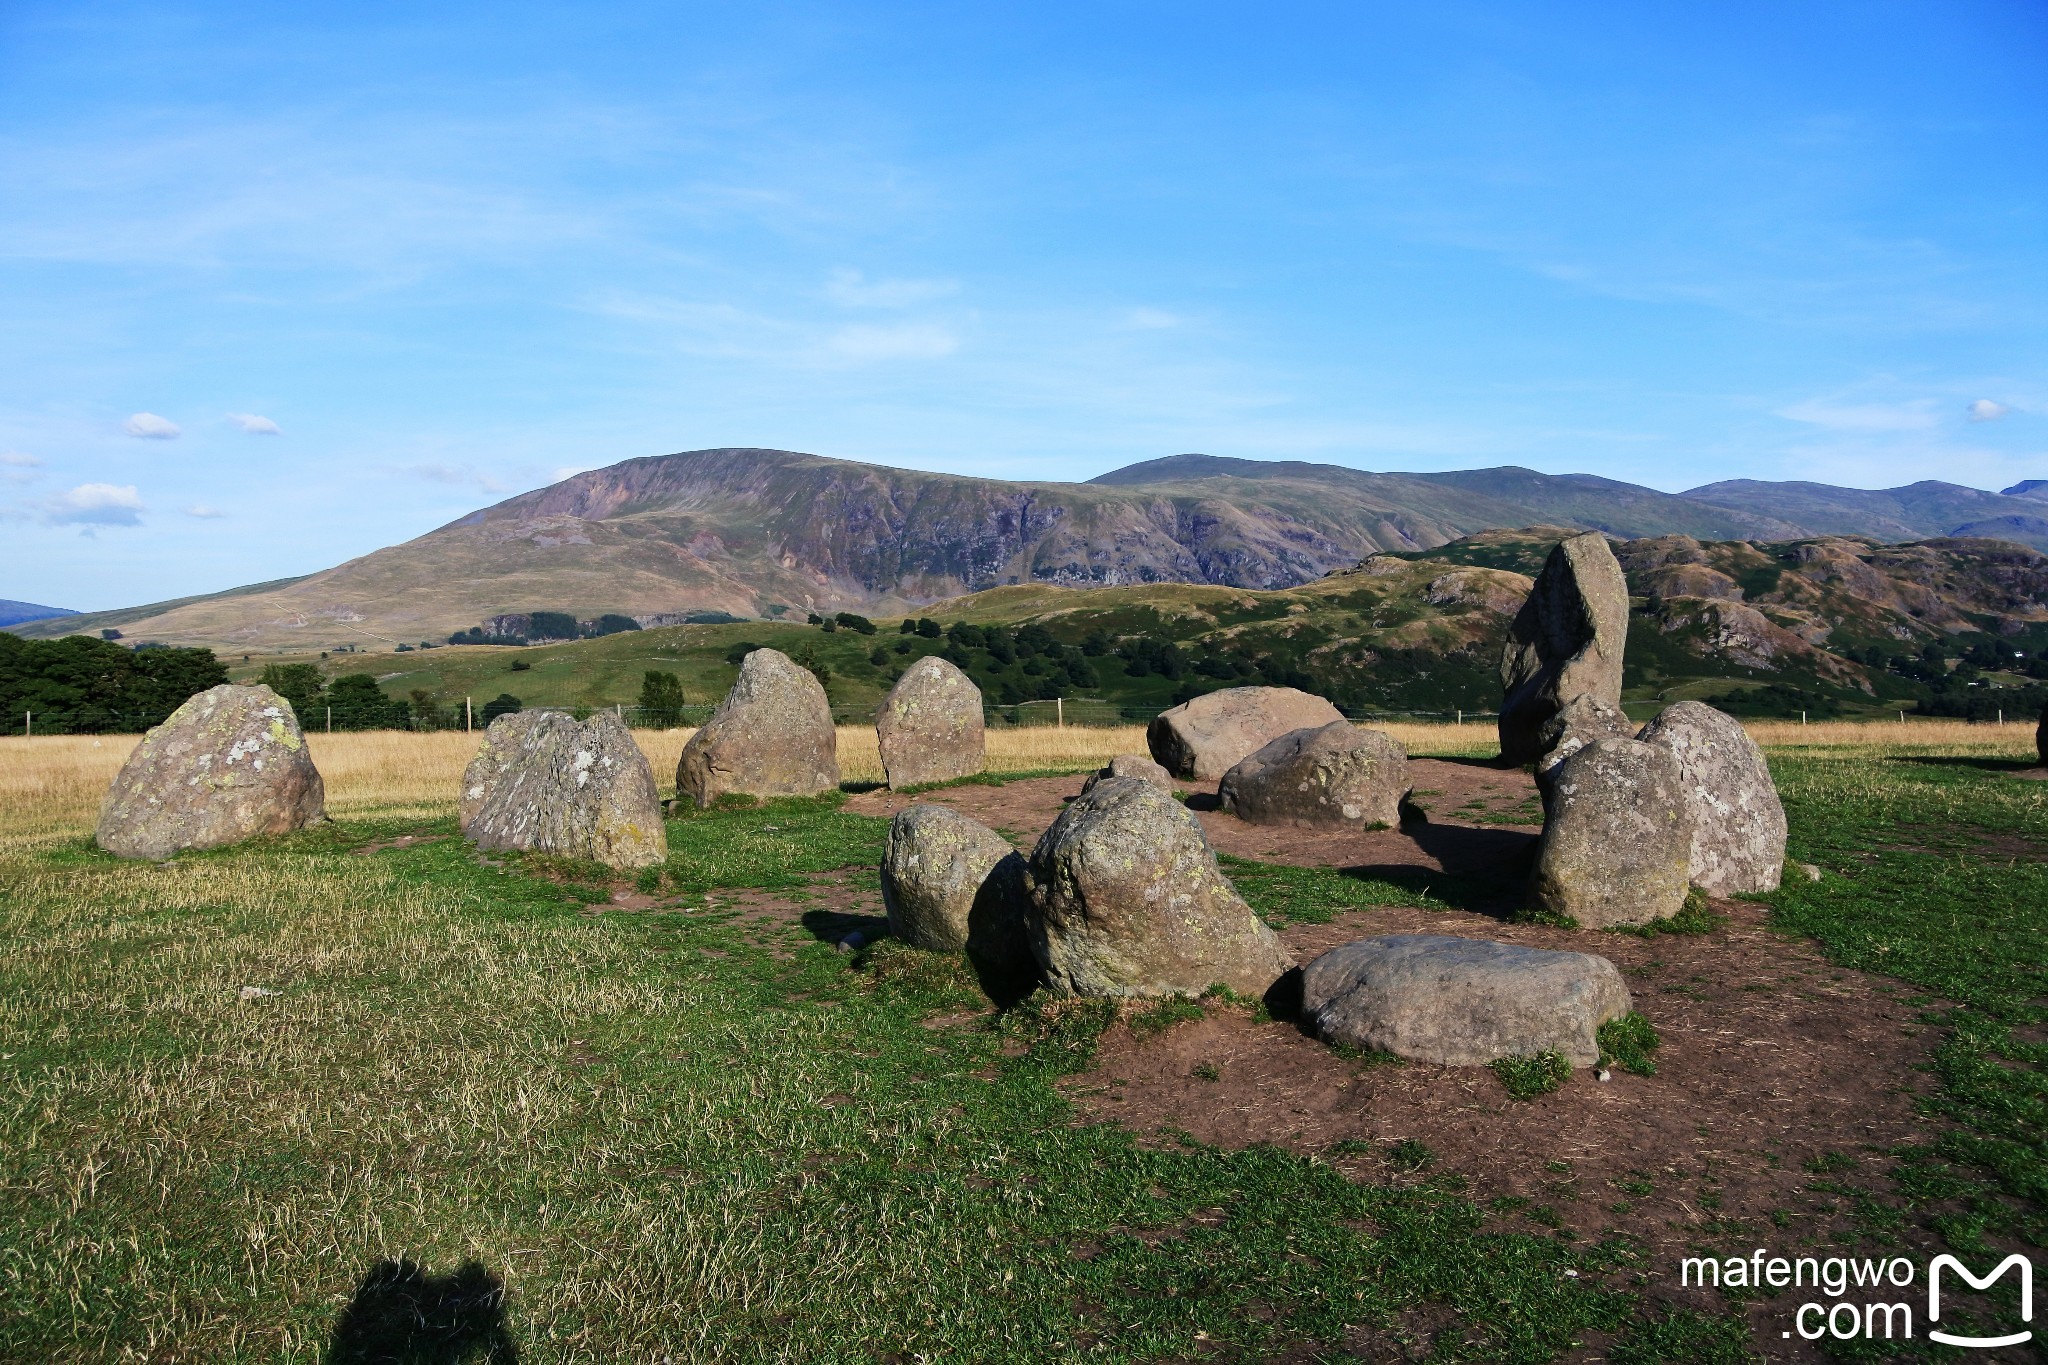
column 203, row 512
column 255, row 425
column 95, row 504
column 455, row 475
column 1917, row 415
column 852, row 289
column 18, row 467
column 906, row 341
column 1985, row 410
column 150, row 427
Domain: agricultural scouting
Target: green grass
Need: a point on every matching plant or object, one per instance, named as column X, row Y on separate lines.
column 700, row 1134
column 1537, row 1074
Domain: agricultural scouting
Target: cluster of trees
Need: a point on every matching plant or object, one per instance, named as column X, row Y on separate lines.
column 352, row 701
column 845, row 620
column 542, row 625
column 80, row 685
column 661, row 698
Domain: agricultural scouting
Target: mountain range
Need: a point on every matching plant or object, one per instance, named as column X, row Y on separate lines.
column 774, row 533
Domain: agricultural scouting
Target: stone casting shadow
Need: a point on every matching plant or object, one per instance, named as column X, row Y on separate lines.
column 401, row 1315
column 831, row 926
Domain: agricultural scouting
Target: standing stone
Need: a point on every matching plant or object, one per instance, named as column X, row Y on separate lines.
column 1207, row 737
column 1566, row 641
column 1738, row 823
column 230, row 764
column 1578, row 723
column 1335, row 777
column 545, row 781
column 1131, row 765
column 1127, row 900
column 771, row 736
column 930, row 725
column 1617, row 843
column 1461, row 1001
column 951, row 884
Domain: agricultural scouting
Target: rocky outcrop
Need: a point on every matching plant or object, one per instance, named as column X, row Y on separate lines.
column 930, row 726
column 1127, row 899
column 547, row 782
column 1617, row 837
column 1738, row 823
column 1566, row 641
column 771, row 736
column 229, row 765
column 1338, row 776
column 1131, row 765
column 1208, row 736
column 952, row 885
column 1461, row 1001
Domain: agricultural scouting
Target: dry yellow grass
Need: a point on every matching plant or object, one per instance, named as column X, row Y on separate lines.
column 50, row 787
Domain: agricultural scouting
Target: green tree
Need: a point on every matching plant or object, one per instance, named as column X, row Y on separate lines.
column 426, row 712
column 552, row 625
column 504, row 704
column 359, row 704
column 300, row 684
column 858, row 624
column 661, row 699
column 808, row 658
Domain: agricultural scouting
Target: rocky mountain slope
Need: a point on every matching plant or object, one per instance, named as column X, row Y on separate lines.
column 767, row 533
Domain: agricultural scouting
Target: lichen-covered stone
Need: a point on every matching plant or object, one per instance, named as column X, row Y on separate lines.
column 230, row 764
column 1131, row 765
column 545, row 781
column 1127, row 899
column 1578, row 723
column 1337, row 776
column 771, row 736
column 930, row 725
column 1208, row 736
column 1617, row 840
column 1738, row 823
column 1566, row 641
column 952, row 884
column 1461, row 1001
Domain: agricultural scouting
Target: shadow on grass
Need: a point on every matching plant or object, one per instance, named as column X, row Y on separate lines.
column 2009, row 766
column 401, row 1315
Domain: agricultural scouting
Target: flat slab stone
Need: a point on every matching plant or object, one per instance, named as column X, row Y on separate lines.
column 228, row 765
column 1461, row 1001
column 1208, row 736
column 545, row 781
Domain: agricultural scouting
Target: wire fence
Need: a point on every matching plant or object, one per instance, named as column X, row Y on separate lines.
column 467, row 715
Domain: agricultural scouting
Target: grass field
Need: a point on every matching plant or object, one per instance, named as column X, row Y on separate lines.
column 299, row 1101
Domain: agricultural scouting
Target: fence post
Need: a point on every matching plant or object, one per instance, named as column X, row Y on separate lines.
column 1059, row 711
column 330, row 720
column 1802, row 718
column 468, row 715
column 29, row 724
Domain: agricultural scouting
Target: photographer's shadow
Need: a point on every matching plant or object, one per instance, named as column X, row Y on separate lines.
column 401, row 1315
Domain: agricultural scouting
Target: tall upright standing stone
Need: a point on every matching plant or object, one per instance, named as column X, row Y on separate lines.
column 230, row 764
column 1738, row 823
column 930, row 726
column 545, row 781
column 1565, row 642
column 771, row 736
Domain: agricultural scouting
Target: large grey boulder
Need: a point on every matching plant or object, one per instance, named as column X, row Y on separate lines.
column 1131, row 765
column 930, row 725
column 1566, row 641
column 1578, row 723
column 230, row 764
column 1738, row 823
column 952, row 884
column 1337, row 776
column 1208, row 736
column 1127, row 900
column 545, row 781
column 1617, row 837
column 771, row 736
column 1461, row 1001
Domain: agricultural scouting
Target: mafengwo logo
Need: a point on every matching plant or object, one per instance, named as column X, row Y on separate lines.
column 1880, row 1313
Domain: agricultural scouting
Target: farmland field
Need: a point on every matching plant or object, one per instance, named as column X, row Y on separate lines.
column 358, row 1094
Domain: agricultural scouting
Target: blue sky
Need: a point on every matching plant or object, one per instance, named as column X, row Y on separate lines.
column 381, row 265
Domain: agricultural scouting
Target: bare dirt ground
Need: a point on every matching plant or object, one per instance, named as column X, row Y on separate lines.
column 1780, row 1082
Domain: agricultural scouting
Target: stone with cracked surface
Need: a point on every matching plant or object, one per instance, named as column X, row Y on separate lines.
column 547, row 782
column 1738, row 823
column 1336, row 776
column 771, row 736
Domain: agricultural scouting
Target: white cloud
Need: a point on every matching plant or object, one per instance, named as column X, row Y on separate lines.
column 459, row 475
column 1919, row 415
column 1984, row 410
column 908, row 341
column 96, row 504
column 203, row 512
column 255, row 425
column 1151, row 319
column 17, row 467
column 851, row 289
column 151, row 427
